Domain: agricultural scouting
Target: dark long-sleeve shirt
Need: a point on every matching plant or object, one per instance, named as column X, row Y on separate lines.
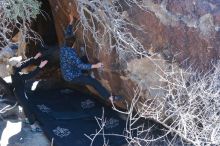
column 71, row 65
column 18, row 79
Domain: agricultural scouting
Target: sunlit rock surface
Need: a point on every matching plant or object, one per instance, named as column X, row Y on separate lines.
column 5, row 54
column 16, row 133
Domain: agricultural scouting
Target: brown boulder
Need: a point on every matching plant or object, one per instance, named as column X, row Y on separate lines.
column 183, row 29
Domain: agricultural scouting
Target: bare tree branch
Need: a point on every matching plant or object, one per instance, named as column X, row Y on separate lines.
column 17, row 15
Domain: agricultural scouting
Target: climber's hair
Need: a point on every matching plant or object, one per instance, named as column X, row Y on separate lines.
column 69, row 41
column 12, row 64
column 11, row 69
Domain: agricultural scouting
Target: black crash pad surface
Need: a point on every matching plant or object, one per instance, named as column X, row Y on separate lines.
column 67, row 116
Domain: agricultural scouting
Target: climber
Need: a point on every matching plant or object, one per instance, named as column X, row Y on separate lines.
column 18, row 82
column 72, row 66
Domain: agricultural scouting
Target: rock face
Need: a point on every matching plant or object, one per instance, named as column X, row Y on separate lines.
column 186, row 29
column 5, row 54
column 21, row 134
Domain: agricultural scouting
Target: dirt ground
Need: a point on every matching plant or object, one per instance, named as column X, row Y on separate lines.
column 14, row 132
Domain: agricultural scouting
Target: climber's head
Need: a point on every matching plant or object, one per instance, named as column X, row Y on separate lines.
column 13, row 63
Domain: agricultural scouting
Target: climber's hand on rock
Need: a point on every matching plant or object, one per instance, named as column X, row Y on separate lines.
column 70, row 18
column 98, row 65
